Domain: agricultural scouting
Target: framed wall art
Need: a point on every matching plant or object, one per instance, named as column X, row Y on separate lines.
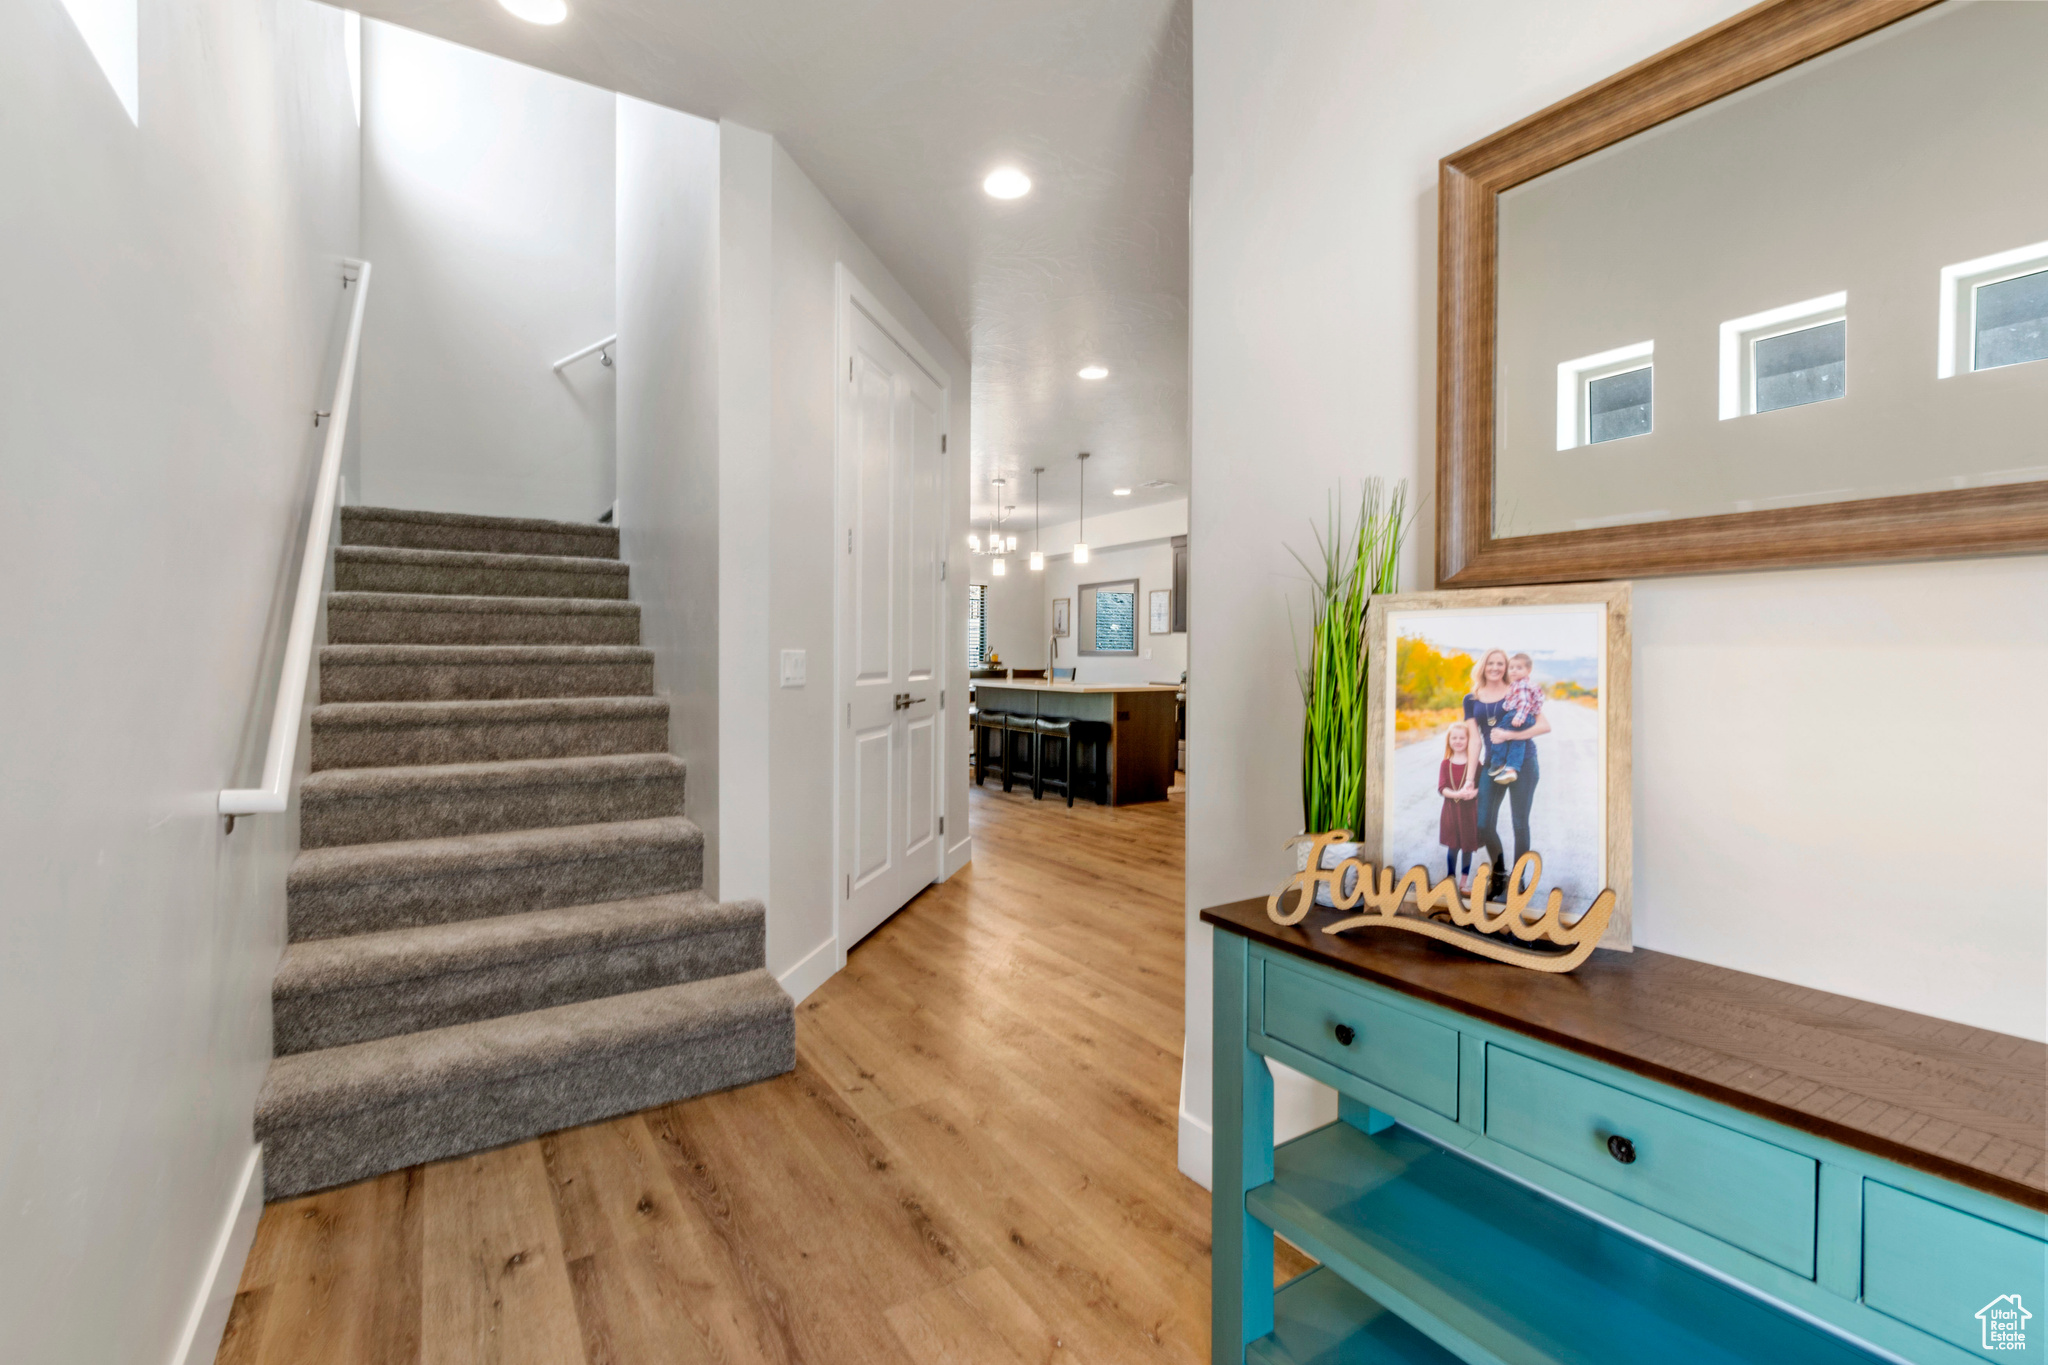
column 1497, row 723
column 1063, row 616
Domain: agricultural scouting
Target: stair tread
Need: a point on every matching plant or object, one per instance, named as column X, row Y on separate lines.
column 485, row 654
column 307, row 1087
column 355, row 783
column 394, row 955
column 590, row 528
column 390, row 713
column 479, row 559
column 397, row 859
column 465, row 602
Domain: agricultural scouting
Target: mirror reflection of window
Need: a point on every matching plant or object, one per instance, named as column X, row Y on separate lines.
column 1807, row 366
column 1618, row 406
column 2011, row 322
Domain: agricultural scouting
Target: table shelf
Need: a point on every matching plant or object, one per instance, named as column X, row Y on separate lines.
column 1320, row 1319
column 1489, row 1270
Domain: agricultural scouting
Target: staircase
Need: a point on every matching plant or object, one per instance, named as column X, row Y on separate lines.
column 495, row 922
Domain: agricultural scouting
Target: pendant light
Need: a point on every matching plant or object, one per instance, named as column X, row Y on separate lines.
column 1081, row 541
column 995, row 541
column 1037, row 558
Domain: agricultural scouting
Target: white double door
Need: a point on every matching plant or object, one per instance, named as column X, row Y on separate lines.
column 891, row 630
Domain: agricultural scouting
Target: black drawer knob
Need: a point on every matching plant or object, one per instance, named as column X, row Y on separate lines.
column 1346, row 1034
column 1621, row 1149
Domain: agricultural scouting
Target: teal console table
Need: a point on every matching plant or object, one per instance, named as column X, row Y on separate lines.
column 1649, row 1160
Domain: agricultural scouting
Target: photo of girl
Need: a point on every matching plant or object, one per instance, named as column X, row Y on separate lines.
column 1457, row 828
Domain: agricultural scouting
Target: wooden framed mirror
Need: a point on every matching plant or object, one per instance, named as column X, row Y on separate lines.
column 1775, row 296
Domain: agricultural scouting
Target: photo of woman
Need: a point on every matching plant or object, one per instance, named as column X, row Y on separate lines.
column 1497, row 712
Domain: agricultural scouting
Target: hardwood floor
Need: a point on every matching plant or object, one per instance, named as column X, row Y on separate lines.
column 972, row 1162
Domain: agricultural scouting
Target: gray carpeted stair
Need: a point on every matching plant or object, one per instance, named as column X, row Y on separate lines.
column 495, row 923
column 403, row 733
column 374, row 568
column 405, row 618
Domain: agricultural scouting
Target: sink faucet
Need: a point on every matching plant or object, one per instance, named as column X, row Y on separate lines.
column 1052, row 656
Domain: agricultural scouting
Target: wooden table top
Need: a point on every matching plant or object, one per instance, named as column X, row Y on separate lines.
column 1962, row 1103
column 1040, row 685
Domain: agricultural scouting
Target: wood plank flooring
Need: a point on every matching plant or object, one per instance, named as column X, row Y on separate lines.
column 972, row 1162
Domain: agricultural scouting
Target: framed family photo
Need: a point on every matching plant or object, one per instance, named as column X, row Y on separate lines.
column 1498, row 723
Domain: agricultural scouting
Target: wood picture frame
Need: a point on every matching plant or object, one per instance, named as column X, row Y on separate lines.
column 1749, row 47
column 1480, row 610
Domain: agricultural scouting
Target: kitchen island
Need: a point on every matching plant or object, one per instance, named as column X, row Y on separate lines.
column 1142, row 741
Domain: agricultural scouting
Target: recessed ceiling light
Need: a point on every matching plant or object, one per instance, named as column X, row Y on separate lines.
column 1094, row 372
column 1006, row 183
column 538, row 11
column 1121, row 492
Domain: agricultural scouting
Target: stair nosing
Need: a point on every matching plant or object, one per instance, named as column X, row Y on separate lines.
column 401, row 652
column 482, row 559
column 386, row 714
column 353, row 599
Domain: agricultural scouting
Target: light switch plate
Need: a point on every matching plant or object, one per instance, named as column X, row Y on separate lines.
column 792, row 668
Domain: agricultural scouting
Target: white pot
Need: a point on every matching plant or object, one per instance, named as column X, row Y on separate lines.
column 1333, row 854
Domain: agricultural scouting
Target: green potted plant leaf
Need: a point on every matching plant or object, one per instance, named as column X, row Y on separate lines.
column 1352, row 565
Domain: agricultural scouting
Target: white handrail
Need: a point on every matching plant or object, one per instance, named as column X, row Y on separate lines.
column 274, row 794
column 592, row 349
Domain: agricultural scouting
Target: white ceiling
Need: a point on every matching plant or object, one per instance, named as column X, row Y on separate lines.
column 897, row 109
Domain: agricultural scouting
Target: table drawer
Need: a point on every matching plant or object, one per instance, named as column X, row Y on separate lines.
column 1389, row 1047
column 1743, row 1190
column 1937, row 1268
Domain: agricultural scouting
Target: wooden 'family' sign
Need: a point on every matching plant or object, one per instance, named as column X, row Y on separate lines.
column 1440, row 913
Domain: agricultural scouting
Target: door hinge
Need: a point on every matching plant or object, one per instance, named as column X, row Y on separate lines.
column 849, row 886
column 942, row 824
column 942, row 443
column 942, row 571
column 942, row 699
column 849, row 715
column 849, row 369
column 849, row 540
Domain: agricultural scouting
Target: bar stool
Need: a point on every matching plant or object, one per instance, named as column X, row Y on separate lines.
column 1061, row 732
column 1019, row 730
column 1091, row 743
column 986, row 723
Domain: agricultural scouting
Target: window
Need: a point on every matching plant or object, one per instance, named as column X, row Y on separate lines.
column 1785, row 357
column 1109, row 617
column 1994, row 311
column 1796, row 368
column 1605, row 397
column 977, row 624
column 2011, row 322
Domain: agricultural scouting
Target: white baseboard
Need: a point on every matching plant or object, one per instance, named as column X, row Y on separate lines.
column 1196, row 1162
column 957, row 857
column 812, row 971
column 208, row 1320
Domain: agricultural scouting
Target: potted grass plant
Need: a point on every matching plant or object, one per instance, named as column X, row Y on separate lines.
column 1352, row 563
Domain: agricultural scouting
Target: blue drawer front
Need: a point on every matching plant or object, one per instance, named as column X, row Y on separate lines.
column 1743, row 1190
column 1938, row 1268
column 1389, row 1047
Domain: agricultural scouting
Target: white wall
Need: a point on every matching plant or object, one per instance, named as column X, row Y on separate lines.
column 1827, row 791
column 668, row 377
column 1136, row 543
column 488, row 210
column 172, row 307
column 798, row 560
